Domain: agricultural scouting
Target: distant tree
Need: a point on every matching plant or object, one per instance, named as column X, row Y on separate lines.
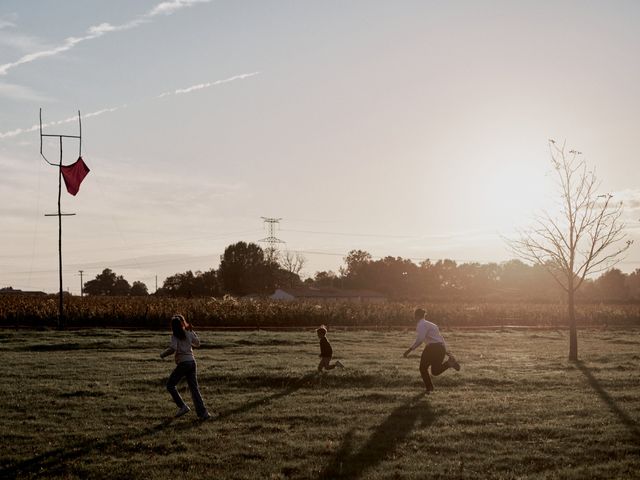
column 514, row 277
column 208, row 283
column 587, row 237
column 325, row 279
column 612, row 286
column 121, row 287
column 446, row 274
column 188, row 284
column 518, row 281
column 633, row 285
column 290, row 265
column 292, row 262
column 428, row 281
column 107, row 283
column 285, row 279
column 244, row 269
column 477, row 280
column 353, row 272
column 139, row 289
column 396, row 277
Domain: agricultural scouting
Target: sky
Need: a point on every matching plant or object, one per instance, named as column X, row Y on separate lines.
column 406, row 128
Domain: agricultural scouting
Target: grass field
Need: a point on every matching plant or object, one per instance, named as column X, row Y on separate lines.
column 92, row 404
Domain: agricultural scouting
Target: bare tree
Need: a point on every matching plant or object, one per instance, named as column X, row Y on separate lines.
column 586, row 237
column 292, row 262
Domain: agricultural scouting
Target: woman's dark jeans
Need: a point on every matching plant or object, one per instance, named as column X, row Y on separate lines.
column 186, row 369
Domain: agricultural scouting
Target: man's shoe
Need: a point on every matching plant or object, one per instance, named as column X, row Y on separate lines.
column 182, row 411
column 205, row 416
column 453, row 363
column 339, row 364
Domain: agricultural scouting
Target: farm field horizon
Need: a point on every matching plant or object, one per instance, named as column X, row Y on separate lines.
column 92, row 404
column 208, row 312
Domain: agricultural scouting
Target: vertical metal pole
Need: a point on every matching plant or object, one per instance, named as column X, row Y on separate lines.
column 81, row 284
column 61, row 306
column 80, row 139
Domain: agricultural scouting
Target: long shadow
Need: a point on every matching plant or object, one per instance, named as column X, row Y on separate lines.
column 54, row 461
column 389, row 434
column 623, row 416
column 295, row 385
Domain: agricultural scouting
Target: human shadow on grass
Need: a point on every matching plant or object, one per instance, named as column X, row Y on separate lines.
column 623, row 416
column 55, row 462
column 384, row 440
column 292, row 387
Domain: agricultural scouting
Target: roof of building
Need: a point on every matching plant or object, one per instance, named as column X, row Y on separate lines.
column 330, row 293
column 15, row 291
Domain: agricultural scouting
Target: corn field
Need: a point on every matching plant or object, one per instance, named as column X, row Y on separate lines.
column 154, row 313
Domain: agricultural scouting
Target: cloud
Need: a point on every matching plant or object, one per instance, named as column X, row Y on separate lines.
column 21, row 42
column 8, row 21
column 630, row 199
column 36, row 127
column 19, row 92
column 9, row 37
column 99, row 112
column 96, row 31
column 20, row 131
column 104, row 28
column 168, row 8
column 200, row 86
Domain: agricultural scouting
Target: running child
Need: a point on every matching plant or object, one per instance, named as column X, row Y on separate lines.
column 182, row 341
column 326, row 352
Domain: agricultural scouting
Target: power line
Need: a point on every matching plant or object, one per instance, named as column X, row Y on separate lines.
column 347, row 234
column 146, row 245
column 383, row 235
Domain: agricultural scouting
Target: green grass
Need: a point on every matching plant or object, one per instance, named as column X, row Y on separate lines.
column 92, row 404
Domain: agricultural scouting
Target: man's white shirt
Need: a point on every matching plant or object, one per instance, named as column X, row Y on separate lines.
column 427, row 332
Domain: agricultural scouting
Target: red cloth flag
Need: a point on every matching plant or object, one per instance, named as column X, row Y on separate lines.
column 74, row 174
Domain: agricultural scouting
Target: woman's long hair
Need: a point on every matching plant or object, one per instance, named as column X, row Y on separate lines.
column 177, row 326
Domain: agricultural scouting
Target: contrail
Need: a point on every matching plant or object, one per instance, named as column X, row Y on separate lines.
column 20, row 131
column 200, row 86
column 179, row 91
column 96, row 31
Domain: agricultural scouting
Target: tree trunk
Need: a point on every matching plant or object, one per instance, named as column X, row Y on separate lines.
column 573, row 333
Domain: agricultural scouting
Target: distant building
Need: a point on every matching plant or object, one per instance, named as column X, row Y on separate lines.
column 327, row 295
column 13, row 291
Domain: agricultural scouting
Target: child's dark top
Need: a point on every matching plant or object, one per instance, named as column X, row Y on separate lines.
column 325, row 347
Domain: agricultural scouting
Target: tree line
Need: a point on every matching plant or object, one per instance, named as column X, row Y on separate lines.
column 245, row 268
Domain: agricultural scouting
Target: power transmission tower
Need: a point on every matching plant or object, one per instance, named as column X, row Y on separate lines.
column 271, row 240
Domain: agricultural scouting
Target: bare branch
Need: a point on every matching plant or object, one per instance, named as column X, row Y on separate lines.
column 587, row 238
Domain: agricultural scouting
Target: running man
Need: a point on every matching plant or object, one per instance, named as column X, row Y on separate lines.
column 434, row 350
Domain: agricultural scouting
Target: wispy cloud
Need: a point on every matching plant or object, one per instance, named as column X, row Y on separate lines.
column 36, row 127
column 7, row 21
column 200, row 86
column 630, row 199
column 170, row 7
column 20, row 42
column 99, row 30
column 179, row 91
column 19, row 92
